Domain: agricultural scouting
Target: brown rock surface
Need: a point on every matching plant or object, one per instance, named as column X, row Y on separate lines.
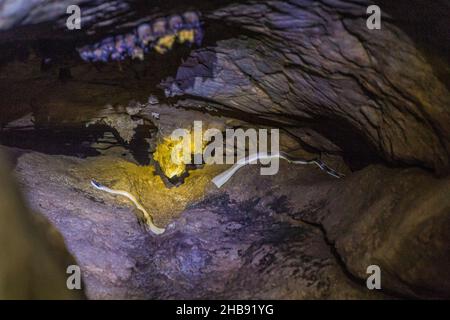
column 229, row 245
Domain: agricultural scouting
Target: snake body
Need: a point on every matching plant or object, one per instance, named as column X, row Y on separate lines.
column 222, row 178
column 148, row 217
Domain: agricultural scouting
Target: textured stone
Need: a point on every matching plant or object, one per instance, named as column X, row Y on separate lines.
column 398, row 220
column 317, row 65
column 233, row 244
column 311, row 68
column 255, row 238
column 33, row 256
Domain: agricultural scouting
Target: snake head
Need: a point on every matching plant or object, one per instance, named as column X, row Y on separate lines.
column 96, row 184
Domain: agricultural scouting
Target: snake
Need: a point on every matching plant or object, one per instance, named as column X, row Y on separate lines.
column 148, row 217
column 222, row 178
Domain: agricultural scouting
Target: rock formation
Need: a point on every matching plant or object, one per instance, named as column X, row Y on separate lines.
column 370, row 103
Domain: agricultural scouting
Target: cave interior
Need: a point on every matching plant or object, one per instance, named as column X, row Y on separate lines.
column 361, row 115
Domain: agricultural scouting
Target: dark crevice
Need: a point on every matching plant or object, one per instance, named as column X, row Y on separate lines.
column 53, row 140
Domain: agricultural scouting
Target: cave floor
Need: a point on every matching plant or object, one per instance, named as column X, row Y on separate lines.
column 242, row 241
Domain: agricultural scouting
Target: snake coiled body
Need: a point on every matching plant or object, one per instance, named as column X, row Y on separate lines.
column 222, row 178
column 148, row 217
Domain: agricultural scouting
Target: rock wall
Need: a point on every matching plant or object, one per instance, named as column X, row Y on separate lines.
column 316, row 64
column 311, row 68
column 33, row 256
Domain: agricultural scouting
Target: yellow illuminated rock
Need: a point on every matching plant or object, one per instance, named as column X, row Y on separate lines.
column 163, row 155
column 169, row 154
column 163, row 203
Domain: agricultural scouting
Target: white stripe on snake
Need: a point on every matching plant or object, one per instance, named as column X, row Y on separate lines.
column 148, row 217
